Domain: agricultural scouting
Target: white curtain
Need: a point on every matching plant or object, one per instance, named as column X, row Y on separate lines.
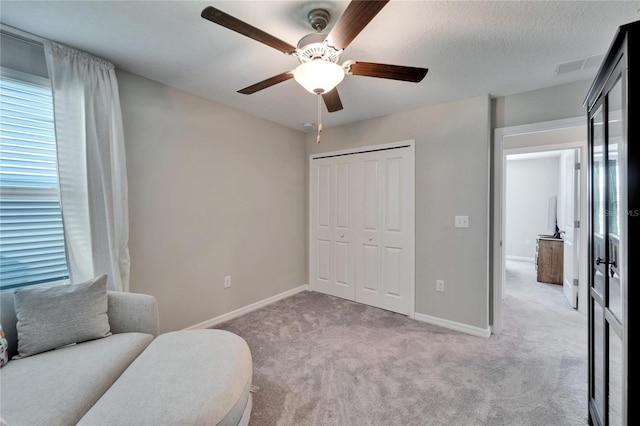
column 91, row 165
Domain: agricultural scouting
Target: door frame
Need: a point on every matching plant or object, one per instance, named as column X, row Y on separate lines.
column 567, row 286
column 499, row 210
column 411, row 145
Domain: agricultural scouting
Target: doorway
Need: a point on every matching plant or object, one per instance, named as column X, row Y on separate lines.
column 542, row 205
column 534, row 139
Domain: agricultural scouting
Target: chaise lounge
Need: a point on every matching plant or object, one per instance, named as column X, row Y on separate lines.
column 132, row 375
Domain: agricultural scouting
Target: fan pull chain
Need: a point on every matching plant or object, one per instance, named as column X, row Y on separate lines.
column 319, row 118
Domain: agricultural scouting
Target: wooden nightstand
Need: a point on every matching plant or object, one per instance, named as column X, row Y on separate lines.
column 549, row 260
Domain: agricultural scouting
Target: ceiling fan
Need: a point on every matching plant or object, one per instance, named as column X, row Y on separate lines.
column 319, row 53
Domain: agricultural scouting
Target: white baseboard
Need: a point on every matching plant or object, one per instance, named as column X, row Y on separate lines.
column 464, row 328
column 451, row 325
column 249, row 308
column 526, row 259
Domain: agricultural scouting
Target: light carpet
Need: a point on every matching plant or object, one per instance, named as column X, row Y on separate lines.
column 321, row 360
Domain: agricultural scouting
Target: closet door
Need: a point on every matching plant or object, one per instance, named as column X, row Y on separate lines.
column 362, row 226
column 383, row 241
column 332, row 265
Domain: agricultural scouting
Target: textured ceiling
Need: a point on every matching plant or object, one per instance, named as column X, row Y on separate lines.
column 470, row 47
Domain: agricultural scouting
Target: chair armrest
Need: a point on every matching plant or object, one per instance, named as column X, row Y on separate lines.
column 133, row 312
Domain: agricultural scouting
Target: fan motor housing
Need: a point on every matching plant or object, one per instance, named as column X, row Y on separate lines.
column 312, row 46
column 319, row 19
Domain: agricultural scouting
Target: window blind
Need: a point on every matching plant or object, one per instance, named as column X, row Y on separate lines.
column 32, row 249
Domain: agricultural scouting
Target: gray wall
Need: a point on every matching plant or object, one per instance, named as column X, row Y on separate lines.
column 452, row 178
column 212, row 192
column 215, row 192
column 529, row 184
column 552, row 103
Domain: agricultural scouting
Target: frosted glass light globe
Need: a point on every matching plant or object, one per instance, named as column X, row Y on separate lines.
column 318, row 76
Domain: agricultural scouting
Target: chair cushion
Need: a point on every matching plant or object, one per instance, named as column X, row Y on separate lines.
column 58, row 387
column 52, row 317
column 187, row 377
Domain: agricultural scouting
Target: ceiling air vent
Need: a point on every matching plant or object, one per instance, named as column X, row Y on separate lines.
column 579, row 64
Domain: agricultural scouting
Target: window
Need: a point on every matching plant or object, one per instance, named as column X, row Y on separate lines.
column 32, row 248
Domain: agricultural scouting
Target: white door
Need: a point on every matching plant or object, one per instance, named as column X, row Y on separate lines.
column 362, row 227
column 384, row 271
column 571, row 237
column 331, row 266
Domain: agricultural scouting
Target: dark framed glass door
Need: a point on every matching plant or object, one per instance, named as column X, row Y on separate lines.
column 608, row 252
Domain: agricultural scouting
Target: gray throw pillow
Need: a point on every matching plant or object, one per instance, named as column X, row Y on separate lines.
column 52, row 317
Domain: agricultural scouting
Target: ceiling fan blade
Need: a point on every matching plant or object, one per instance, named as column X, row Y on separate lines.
column 266, row 83
column 393, row 72
column 332, row 100
column 356, row 16
column 219, row 17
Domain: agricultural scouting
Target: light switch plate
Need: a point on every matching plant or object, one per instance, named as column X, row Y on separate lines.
column 462, row 222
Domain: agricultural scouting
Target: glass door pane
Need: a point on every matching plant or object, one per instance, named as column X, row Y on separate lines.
column 615, row 378
column 598, row 357
column 598, row 253
column 599, row 207
column 616, row 220
column 614, row 215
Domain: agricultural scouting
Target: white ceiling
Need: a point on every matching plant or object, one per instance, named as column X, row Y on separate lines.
column 470, row 47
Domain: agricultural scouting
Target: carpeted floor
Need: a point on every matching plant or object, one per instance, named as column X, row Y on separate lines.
column 321, row 360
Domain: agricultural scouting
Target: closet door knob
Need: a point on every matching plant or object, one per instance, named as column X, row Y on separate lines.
column 370, row 238
column 341, row 235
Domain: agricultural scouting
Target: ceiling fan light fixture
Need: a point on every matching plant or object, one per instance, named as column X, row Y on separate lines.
column 319, row 53
column 318, row 76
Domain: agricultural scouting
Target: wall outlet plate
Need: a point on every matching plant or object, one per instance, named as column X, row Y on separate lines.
column 227, row 281
column 462, row 221
column 440, row 285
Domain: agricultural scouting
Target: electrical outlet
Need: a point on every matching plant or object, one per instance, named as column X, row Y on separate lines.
column 527, row 242
column 461, row 221
column 227, row 281
column 440, row 285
